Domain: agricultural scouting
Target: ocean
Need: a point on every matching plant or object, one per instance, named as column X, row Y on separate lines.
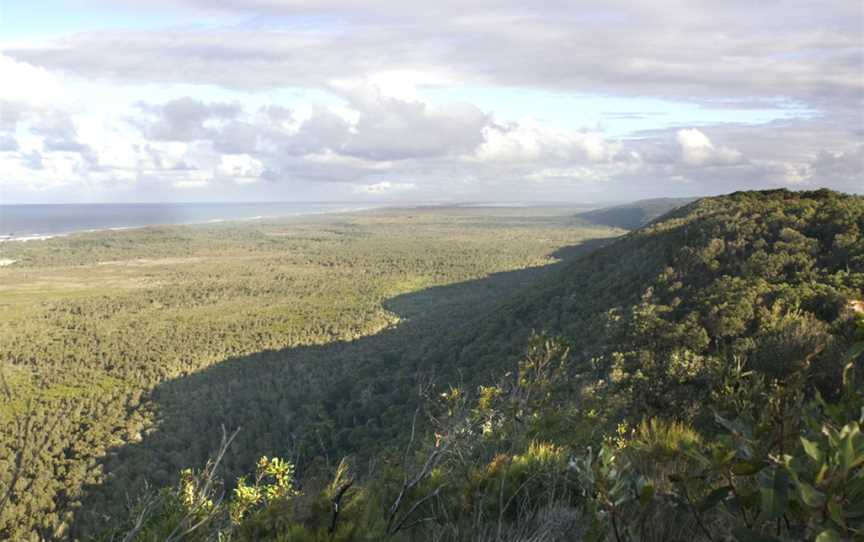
column 21, row 222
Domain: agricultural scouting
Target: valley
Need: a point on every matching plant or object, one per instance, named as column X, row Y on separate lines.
column 444, row 374
column 113, row 340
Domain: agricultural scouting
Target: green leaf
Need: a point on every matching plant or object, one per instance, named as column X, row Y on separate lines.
column 735, row 427
column 812, row 449
column 774, row 489
column 747, row 468
column 828, row 535
column 746, row 535
column 835, row 510
column 811, row 496
column 855, row 351
column 722, row 457
column 846, row 452
column 856, row 440
column 646, row 493
column 713, row 498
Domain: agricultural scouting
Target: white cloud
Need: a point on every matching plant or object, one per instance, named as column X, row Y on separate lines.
column 571, row 175
column 402, row 84
column 337, row 108
column 243, row 168
column 385, row 187
column 529, row 142
column 698, row 150
column 32, row 85
column 390, row 128
column 703, row 51
column 191, row 183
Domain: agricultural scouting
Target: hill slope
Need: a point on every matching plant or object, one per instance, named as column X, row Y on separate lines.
column 634, row 215
column 723, row 267
column 687, row 350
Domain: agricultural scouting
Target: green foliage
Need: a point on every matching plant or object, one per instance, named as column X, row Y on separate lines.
column 130, row 349
column 273, row 484
column 658, row 438
column 761, row 478
column 704, row 384
column 758, row 477
column 607, row 487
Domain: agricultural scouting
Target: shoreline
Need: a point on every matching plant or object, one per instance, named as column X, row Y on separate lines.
column 469, row 205
column 45, row 236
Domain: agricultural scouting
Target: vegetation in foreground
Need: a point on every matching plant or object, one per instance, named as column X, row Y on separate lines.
column 698, row 379
column 786, row 467
column 718, row 396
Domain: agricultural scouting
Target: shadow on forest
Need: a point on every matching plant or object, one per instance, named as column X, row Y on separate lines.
column 314, row 404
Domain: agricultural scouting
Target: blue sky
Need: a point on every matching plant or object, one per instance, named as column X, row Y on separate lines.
column 453, row 101
column 26, row 19
column 617, row 116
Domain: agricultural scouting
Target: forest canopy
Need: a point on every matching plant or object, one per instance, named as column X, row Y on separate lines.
column 698, row 378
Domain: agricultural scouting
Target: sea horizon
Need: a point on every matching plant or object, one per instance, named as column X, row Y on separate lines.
column 33, row 221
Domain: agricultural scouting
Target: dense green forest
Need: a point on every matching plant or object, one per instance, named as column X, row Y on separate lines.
column 105, row 335
column 696, row 379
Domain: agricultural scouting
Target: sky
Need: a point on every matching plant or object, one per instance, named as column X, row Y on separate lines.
column 444, row 101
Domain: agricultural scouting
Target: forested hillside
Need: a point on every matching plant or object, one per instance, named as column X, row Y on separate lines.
column 123, row 352
column 704, row 280
column 698, row 379
column 631, row 216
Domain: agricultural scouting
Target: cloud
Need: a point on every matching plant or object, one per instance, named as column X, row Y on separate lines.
column 46, row 127
column 8, row 143
column 11, row 113
column 394, row 129
column 530, row 142
column 185, row 119
column 385, row 187
column 703, row 51
column 191, row 183
column 845, row 169
column 242, row 168
column 235, row 137
column 428, row 151
column 338, row 99
column 326, row 167
column 29, row 84
column 323, row 130
column 698, row 150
